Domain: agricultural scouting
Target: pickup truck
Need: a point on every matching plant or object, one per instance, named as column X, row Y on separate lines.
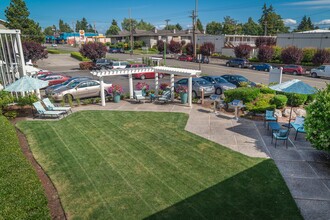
column 323, row 70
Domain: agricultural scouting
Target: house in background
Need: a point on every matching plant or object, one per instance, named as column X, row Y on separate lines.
column 3, row 24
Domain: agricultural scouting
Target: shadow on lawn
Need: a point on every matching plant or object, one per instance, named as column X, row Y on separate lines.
column 256, row 193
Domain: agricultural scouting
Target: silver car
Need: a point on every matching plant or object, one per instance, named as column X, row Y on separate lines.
column 220, row 84
column 80, row 89
column 198, row 85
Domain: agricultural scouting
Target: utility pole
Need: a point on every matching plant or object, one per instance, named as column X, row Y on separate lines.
column 194, row 25
column 265, row 33
column 131, row 33
column 165, row 45
column 74, row 34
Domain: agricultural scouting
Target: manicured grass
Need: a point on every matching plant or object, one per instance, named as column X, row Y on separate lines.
column 134, row 165
column 21, row 192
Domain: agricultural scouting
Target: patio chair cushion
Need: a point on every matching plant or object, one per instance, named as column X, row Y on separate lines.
column 299, row 121
column 282, row 133
column 269, row 114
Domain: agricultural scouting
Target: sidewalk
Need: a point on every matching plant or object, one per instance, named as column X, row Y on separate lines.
column 305, row 170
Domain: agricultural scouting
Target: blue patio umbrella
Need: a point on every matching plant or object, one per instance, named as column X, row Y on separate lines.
column 294, row 86
column 25, row 84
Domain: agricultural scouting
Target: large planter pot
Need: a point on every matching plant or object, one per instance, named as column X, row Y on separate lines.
column 116, row 98
column 184, row 97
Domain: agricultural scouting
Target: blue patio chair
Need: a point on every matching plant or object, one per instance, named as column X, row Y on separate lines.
column 41, row 111
column 51, row 107
column 298, row 125
column 283, row 135
column 269, row 116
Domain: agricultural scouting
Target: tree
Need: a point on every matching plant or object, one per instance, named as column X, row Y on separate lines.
column 318, row 119
column 271, row 21
column 113, row 29
column 34, row 51
column 213, row 28
column 207, row 48
column 142, row 25
column 64, row 27
column 127, row 22
column 262, row 41
column 175, row 47
column 230, row 26
column 189, row 48
column 242, row 51
column 83, row 25
column 265, row 53
column 93, row 51
column 160, row 46
column 321, row 56
column 199, row 25
column 49, row 30
column 251, row 28
column 291, row 55
column 178, row 27
column 17, row 16
column 173, row 27
column 305, row 24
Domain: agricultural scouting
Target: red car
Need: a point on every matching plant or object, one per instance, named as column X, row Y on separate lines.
column 54, row 79
column 187, row 58
column 144, row 75
column 293, row 69
column 41, row 75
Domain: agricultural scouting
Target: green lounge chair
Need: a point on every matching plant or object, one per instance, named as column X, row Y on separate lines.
column 43, row 113
column 51, row 107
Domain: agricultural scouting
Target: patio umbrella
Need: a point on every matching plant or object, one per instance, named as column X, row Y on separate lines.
column 26, row 84
column 294, row 86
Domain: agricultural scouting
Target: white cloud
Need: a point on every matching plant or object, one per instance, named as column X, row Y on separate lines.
column 289, row 21
column 323, row 22
column 310, row 3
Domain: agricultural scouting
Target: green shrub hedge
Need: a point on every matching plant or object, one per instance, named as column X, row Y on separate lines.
column 53, row 51
column 261, row 104
column 267, row 90
column 246, row 94
column 78, row 56
column 295, row 99
column 279, row 101
column 21, row 193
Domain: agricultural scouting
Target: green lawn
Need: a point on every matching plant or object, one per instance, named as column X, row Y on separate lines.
column 134, row 165
column 21, row 192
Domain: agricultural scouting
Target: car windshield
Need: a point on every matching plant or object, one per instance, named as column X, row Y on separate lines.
column 242, row 78
column 72, row 84
column 220, row 80
column 203, row 82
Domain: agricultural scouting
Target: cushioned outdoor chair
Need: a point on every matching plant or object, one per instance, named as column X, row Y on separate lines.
column 138, row 95
column 283, row 135
column 41, row 111
column 269, row 116
column 166, row 97
column 51, row 107
column 298, row 125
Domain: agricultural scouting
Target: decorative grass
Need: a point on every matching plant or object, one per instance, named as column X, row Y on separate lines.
column 135, row 165
column 21, row 192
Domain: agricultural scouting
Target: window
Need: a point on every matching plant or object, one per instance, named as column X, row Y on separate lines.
column 183, row 81
column 83, row 85
column 220, row 80
column 321, row 68
column 92, row 83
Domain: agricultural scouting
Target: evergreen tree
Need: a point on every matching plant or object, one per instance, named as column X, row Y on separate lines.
column 127, row 23
column 272, row 22
column 178, row 27
column 230, row 26
column 214, row 28
column 199, row 25
column 142, row 25
column 64, row 27
column 172, row 27
column 17, row 15
column 113, row 29
column 49, row 30
column 305, row 24
column 252, row 28
column 83, row 25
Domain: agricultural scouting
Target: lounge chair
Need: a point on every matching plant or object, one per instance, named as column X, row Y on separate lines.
column 138, row 95
column 43, row 113
column 166, row 97
column 269, row 116
column 282, row 134
column 298, row 125
column 51, row 107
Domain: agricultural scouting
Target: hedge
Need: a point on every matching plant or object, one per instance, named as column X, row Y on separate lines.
column 295, row 99
column 21, row 193
column 267, row 90
column 261, row 104
column 246, row 94
column 53, row 51
column 78, row 56
column 279, row 101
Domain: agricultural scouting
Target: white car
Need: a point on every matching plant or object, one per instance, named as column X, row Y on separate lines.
column 323, row 70
column 119, row 64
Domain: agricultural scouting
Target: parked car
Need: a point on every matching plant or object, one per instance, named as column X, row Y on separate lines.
column 198, row 84
column 116, row 50
column 118, row 64
column 50, row 89
column 323, row 70
column 103, row 64
column 262, row 67
column 186, row 58
column 237, row 79
column 293, row 69
column 80, row 89
column 238, row 62
column 219, row 83
column 204, row 59
column 144, row 75
column 42, row 74
column 54, row 79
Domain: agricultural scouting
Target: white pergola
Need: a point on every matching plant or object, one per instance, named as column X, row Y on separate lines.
column 189, row 73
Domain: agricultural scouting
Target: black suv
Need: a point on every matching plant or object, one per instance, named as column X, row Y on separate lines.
column 237, row 79
column 239, row 62
column 103, row 64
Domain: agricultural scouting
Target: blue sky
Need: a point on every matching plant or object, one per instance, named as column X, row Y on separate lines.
column 101, row 12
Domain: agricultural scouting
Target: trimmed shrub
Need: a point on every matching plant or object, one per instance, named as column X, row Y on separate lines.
column 160, row 46
column 189, row 48
column 138, row 44
column 175, row 47
column 207, row 48
column 265, row 41
column 292, row 55
column 321, row 56
column 78, row 56
column 308, row 54
column 265, row 53
column 267, row 90
column 310, row 98
column 53, row 51
column 277, row 53
column 246, row 94
column 27, row 100
column 295, row 99
column 86, row 65
column 93, row 51
column 243, row 51
column 279, row 101
column 261, row 104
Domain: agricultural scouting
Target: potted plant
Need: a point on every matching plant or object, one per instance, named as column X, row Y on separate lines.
column 183, row 91
column 116, row 91
column 142, row 86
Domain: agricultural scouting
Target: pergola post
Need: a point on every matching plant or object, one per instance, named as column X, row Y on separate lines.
column 156, row 83
column 190, row 91
column 38, row 93
column 102, row 91
column 130, row 83
column 172, row 87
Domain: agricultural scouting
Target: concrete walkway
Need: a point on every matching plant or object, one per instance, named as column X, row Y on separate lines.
column 305, row 170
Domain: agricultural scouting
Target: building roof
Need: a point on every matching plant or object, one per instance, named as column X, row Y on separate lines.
column 315, row 31
column 2, row 24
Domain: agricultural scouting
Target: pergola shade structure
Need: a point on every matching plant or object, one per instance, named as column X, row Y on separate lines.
column 189, row 73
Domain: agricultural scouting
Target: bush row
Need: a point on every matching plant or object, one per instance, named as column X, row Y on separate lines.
column 53, row 51
column 78, row 56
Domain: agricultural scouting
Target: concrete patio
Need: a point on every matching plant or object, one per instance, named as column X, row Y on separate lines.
column 305, row 170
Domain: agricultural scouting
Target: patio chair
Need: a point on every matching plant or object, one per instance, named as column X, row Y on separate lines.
column 298, row 125
column 51, row 107
column 283, row 135
column 138, row 95
column 269, row 116
column 166, row 97
column 43, row 113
